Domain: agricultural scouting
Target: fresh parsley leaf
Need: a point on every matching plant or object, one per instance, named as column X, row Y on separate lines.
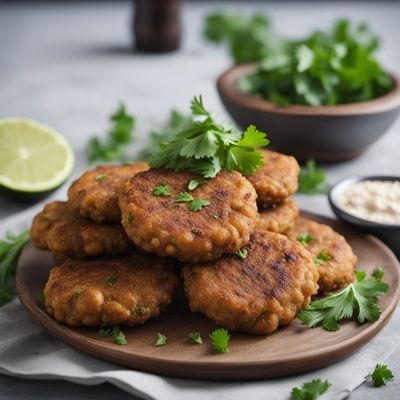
column 208, row 146
column 195, row 337
column 194, row 183
column 241, row 253
column 358, row 300
column 312, row 179
column 220, row 340
column 310, row 390
column 162, row 189
column 305, row 238
column 322, row 257
column 117, row 336
column 198, row 204
column 10, row 250
column 101, row 177
column 381, row 375
column 184, row 197
column 336, row 66
column 110, row 280
column 119, row 136
column 378, row 273
column 161, row 340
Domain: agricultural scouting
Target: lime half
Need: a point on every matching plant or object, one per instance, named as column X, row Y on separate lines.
column 33, row 157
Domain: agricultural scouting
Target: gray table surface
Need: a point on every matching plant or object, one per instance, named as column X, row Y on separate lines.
column 69, row 65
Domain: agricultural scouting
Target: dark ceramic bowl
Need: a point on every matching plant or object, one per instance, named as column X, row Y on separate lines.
column 390, row 234
column 325, row 133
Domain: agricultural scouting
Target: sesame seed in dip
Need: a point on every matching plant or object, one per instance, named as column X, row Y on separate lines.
column 377, row 201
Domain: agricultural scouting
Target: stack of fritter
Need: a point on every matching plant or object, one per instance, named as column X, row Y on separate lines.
column 226, row 235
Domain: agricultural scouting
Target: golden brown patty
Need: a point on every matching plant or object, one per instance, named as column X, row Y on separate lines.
column 278, row 218
column 121, row 290
column 259, row 293
column 277, row 179
column 68, row 235
column 159, row 224
column 337, row 272
column 95, row 194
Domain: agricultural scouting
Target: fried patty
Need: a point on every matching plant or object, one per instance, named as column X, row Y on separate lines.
column 266, row 289
column 277, row 179
column 336, row 272
column 159, row 224
column 278, row 218
column 68, row 235
column 121, row 290
column 95, row 194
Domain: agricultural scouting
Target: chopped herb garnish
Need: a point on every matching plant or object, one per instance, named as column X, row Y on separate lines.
column 117, row 336
column 141, row 310
column 161, row 340
column 241, row 253
column 110, row 280
column 312, row 180
column 322, row 257
column 10, row 249
column 208, row 146
column 216, row 216
column 162, row 189
column 194, row 183
column 305, row 238
column 198, row 204
column 195, row 337
column 310, row 390
column 195, row 231
column 184, row 197
column 358, row 300
column 101, row 177
column 378, row 273
column 220, row 340
column 381, row 375
column 192, row 203
column 119, row 136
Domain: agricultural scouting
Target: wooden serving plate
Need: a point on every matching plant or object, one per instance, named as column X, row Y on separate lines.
column 291, row 349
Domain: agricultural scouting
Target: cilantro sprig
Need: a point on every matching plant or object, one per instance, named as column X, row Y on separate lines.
column 358, row 300
column 310, row 390
column 220, row 340
column 117, row 336
column 10, row 249
column 193, row 204
column 312, row 179
column 208, row 146
column 381, row 375
column 162, row 189
column 119, row 136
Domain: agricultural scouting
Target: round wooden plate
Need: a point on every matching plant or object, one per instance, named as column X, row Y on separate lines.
column 292, row 349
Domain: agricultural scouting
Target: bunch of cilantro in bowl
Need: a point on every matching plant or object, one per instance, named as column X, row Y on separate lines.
column 327, row 68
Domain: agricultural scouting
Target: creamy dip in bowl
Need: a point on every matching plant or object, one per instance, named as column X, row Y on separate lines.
column 370, row 203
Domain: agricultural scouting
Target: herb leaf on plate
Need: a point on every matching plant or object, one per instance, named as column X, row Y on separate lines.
column 220, row 340
column 381, row 375
column 358, row 300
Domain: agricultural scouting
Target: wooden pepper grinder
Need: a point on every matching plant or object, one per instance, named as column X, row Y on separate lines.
column 157, row 25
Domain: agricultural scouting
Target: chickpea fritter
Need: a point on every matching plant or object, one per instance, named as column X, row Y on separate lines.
column 121, row 290
column 278, row 218
column 160, row 224
column 337, row 266
column 256, row 294
column 68, row 235
column 95, row 194
column 277, row 179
